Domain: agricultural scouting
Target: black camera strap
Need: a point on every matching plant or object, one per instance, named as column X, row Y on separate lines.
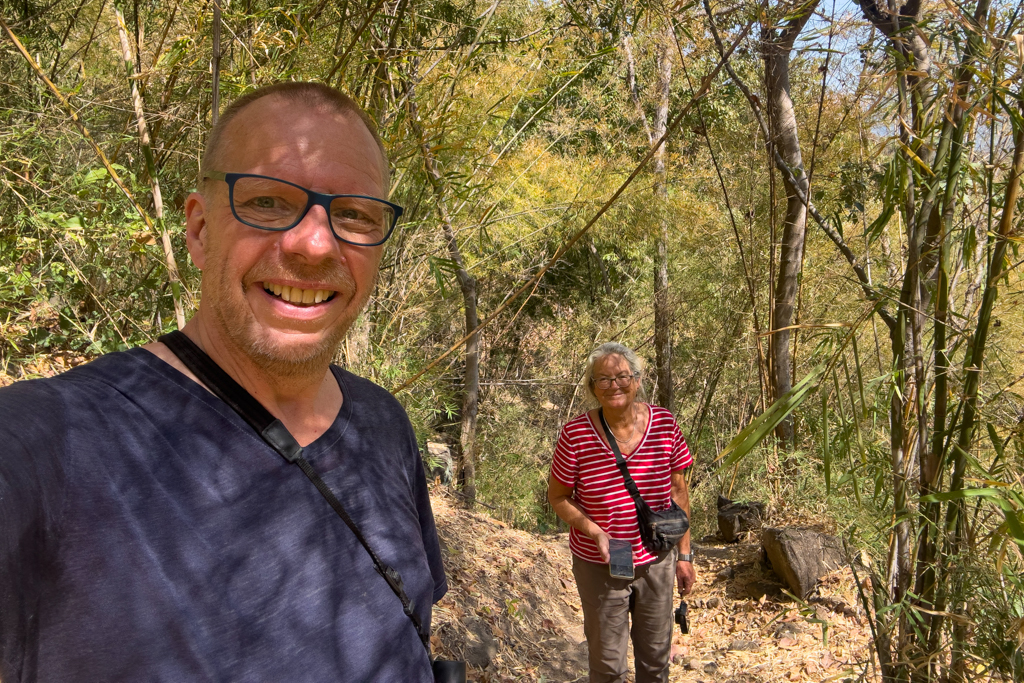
column 280, row 439
column 621, row 462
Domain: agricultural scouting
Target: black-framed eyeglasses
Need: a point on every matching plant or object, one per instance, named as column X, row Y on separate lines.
column 622, row 381
column 268, row 203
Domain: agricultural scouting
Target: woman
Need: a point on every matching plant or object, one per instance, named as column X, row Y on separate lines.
column 586, row 489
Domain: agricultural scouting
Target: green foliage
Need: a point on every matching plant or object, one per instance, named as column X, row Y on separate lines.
column 525, row 108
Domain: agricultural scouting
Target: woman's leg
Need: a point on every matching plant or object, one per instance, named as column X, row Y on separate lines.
column 605, row 620
column 651, row 605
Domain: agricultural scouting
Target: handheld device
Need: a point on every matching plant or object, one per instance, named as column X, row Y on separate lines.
column 681, row 613
column 621, row 558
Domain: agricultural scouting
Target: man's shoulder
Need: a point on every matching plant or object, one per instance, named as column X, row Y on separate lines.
column 366, row 392
column 110, row 368
column 79, row 389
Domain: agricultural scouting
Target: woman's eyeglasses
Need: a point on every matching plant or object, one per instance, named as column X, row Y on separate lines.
column 622, row 381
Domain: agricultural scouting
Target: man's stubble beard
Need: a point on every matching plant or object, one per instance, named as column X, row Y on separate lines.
column 311, row 360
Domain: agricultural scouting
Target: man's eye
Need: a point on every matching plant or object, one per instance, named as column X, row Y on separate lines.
column 348, row 215
column 265, row 203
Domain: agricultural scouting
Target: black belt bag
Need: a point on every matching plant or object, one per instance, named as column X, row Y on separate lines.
column 660, row 530
column 277, row 437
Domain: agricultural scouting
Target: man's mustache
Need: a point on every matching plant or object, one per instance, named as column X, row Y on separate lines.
column 331, row 274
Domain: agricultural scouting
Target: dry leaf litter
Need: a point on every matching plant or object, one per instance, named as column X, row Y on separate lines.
column 513, row 612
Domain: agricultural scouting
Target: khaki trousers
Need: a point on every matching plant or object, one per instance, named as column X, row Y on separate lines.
column 608, row 604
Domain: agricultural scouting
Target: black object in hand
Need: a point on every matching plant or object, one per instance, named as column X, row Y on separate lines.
column 681, row 612
column 449, row 671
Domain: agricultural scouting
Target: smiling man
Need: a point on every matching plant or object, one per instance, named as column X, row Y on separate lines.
column 147, row 532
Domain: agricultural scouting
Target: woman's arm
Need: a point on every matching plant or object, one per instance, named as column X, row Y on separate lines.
column 560, row 497
column 686, row 576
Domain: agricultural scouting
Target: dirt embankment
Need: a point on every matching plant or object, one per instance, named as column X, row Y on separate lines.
column 513, row 612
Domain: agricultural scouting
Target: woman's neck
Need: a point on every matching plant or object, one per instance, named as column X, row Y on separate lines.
column 621, row 418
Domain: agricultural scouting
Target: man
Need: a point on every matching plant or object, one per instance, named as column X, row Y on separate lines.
column 147, row 532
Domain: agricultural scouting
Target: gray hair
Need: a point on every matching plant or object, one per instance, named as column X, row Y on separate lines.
column 636, row 366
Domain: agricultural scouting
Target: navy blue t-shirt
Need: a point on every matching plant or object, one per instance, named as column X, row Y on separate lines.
column 147, row 533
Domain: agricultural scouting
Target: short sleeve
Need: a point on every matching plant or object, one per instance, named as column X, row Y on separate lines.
column 32, row 436
column 428, row 530
column 565, row 466
column 681, row 458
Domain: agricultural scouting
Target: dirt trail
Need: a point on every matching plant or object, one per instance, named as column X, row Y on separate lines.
column 513, row 612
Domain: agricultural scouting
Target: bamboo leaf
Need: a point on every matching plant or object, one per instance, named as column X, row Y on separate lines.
column 764, row 424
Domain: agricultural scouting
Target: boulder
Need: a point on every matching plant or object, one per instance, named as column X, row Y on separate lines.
column 439, row 462
column 736, row 518
column 802, row 556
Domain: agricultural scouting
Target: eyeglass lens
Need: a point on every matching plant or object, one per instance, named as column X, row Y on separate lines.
column 621, row 380
column 272, row 204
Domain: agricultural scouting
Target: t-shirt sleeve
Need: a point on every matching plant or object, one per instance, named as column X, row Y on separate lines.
column 681, row 458
column 564, row 465
column 428, row 529
column 32, row 434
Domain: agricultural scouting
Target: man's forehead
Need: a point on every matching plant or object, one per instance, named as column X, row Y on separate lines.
column 275, row 129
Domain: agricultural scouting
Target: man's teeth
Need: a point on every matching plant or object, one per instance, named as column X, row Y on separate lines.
column 299, row 296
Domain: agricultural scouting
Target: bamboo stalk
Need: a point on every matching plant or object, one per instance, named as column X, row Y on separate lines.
column 151, row 170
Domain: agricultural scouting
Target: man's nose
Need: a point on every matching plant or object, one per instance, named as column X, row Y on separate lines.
column 312, row 239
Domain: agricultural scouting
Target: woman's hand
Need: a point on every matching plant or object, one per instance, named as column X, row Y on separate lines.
column 686, row 576
column 600, row 538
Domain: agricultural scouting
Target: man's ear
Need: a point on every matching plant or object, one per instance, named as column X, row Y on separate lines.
column 195, row 228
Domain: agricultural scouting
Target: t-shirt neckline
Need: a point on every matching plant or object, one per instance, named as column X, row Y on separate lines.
column 322, row 443
column 647, row 429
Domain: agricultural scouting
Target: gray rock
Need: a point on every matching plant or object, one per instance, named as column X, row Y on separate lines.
column 725, row 574
column 802, row 556
column 481, row 647
column 693, row 664
column 439, row 462
column 710, row 668
column 789, row 630
column 735, row 518
column 745, row 645
column 714, row 602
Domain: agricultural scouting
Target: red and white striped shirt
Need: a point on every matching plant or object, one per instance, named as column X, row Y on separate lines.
column 584, row 463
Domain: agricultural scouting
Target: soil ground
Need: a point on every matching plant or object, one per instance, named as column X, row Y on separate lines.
column 512, row 611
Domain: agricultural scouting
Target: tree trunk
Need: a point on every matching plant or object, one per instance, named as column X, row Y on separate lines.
column 785, row 139
column 662, row 301
column 215, row 65
column 468, row 285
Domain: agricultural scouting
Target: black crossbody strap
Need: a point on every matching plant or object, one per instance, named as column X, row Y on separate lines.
column 621, row 462
column 280, row 439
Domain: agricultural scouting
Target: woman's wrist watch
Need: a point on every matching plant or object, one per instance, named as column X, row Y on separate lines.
column 685, row 557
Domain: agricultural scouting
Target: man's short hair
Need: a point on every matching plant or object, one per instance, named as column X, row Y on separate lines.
column 312, row 95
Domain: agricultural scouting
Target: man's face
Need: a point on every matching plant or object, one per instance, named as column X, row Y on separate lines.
column 320, row 150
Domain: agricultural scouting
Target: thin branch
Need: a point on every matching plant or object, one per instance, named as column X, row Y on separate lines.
column 790, row 178
column 671, row 129
column 81, row 126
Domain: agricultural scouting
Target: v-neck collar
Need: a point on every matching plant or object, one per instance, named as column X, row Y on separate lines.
column 625, row 456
